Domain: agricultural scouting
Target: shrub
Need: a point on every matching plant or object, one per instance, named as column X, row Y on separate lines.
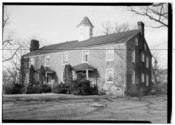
column 67, row 75
column 132, row 90
column 42, row 74
column 38, row 88
column 61, row 88
column 32, row 89
column 31, row 75
column 85, row 88
column 14, row 88
column 82, row 87
column 74, row 87
column 17, row 89
column 44, row 88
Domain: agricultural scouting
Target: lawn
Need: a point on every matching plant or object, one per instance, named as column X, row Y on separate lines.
column 71, row 107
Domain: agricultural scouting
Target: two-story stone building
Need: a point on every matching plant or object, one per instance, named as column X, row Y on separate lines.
column 113, row 62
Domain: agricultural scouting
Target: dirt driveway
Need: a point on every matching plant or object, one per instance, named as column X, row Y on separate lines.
column 70, row 107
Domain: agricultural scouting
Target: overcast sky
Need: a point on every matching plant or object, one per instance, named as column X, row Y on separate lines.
column 55, row 24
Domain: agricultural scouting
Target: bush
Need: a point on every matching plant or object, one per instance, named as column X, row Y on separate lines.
column 38, row 88
column 33, row 89
column 85, row 88
column 132, row 90
column 44, row 88
column 74, row 87
column 61, row 88
column 13, row 88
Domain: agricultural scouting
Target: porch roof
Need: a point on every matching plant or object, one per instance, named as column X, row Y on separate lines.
column 83, row 66
column 48, row 69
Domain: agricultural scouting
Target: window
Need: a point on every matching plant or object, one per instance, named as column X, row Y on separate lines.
column 147, row 80
column 143, row 77
column 31, row 62
column 136, row 41
column 143, row 57
column 145, row 47
column 133, row 56
column 110, row 54
column 65, row 58
column 109, row 75
column 133, row 77
column 47, row 61
column 147, row 62
column 85, row 56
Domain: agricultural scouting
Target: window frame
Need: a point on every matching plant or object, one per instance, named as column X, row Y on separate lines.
column 107, row 49
column 63, row 56
column 83, row 54
column 47, row 57
column 109, row 69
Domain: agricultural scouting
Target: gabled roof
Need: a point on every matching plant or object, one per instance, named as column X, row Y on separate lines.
column 116, row 38
column 86, row 22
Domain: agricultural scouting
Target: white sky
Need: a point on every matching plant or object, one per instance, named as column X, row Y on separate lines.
column 55, row 24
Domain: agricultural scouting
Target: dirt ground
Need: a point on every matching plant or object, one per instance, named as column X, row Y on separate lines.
column 70, row 107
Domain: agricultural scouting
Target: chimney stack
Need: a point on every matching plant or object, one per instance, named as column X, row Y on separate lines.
column 141, row 28
column 34, row 45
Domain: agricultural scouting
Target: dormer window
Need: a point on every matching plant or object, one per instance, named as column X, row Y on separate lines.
column 110, row 54
column 47, row 61
column 85, row 56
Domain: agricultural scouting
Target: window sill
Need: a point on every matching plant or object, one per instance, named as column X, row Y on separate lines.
column 109, row 60
column 109, row 82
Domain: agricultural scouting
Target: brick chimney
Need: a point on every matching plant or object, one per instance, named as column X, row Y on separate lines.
column 34, row 45
column 141, row 27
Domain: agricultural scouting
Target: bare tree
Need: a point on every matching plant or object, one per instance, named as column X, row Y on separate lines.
column 109, row 28
column 121, row 28
column 157, row 12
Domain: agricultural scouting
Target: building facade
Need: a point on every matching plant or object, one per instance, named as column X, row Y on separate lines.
column 113, row 62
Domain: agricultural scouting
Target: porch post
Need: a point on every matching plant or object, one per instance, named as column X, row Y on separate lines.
column 87, row 74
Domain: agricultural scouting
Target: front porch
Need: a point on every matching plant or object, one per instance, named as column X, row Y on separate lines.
column 85, row 71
